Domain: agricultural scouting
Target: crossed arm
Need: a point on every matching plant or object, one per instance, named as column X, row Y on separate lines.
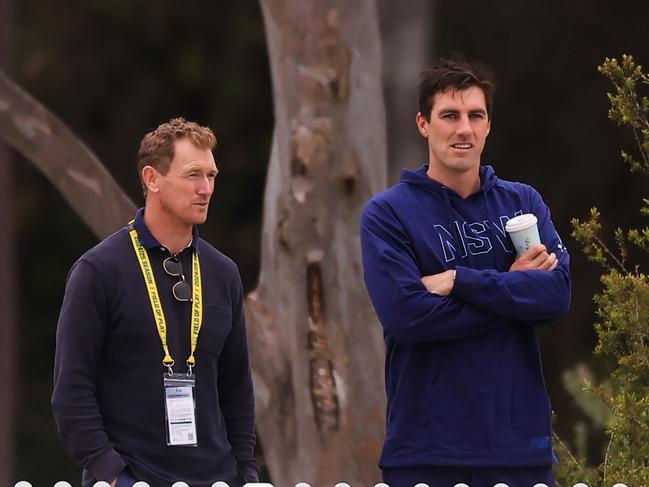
column 536, row 257
column 413, row 308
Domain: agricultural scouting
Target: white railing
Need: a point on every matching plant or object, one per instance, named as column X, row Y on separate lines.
column 63, row 483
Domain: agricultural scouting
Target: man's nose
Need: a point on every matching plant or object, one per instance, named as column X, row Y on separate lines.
column 464, row 126
column 205, row 186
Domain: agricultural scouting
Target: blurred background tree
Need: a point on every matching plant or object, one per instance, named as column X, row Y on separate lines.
column 113, row 70
column 407, row 41
column 315, row 342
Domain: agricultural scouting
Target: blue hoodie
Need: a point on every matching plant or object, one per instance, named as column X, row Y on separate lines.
column 463, row 373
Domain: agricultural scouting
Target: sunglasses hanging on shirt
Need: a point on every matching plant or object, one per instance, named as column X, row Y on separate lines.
column 182, row 291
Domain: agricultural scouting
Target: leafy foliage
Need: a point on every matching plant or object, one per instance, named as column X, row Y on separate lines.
column 627, row 107
column 622, row 307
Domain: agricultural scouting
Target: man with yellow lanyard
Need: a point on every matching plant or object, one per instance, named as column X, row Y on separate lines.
column 151, row 375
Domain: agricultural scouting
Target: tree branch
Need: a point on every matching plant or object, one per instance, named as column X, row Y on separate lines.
column 52, row 147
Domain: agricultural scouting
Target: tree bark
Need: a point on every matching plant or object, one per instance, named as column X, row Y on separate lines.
column 75, row 171
column 407, row 38
column 316, row 347
column 7, row 287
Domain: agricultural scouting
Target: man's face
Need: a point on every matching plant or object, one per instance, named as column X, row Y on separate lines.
column 457, row 130
column 186, row 189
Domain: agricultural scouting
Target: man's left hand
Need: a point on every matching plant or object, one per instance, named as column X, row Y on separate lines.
column 536, row 257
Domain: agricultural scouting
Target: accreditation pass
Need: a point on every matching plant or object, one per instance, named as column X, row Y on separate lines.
column 181, row 410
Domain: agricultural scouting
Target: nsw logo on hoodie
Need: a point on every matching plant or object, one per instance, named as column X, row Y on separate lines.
column 475, row 237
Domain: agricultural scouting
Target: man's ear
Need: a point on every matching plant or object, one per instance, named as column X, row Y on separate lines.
column 422, row 125
column 151, row 179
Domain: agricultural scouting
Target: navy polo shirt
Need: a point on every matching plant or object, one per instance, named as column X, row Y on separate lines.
column 108, row 398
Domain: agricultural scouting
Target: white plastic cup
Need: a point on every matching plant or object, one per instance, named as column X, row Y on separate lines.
column 523, row 231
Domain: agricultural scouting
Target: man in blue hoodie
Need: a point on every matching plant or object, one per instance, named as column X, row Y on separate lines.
column 466, row 395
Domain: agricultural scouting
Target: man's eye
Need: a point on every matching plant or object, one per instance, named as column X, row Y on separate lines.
column 450, row 115
column 477, row 115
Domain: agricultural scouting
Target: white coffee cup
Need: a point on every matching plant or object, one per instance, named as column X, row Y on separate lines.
column 523, row 231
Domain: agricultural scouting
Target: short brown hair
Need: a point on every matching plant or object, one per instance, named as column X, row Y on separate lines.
column 157, row 147
column 454, row 75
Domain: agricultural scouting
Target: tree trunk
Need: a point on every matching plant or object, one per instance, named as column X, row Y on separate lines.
column 75, row 171
column 7, row 287
column 316, row 346
column 407, row 38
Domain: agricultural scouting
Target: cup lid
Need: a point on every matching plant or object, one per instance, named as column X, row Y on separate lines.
column 520, row 222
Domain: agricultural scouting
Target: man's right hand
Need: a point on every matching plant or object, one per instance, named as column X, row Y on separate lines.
column 441, row 284
column 536, row 257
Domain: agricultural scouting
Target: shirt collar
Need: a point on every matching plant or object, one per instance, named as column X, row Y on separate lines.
column 147, row 238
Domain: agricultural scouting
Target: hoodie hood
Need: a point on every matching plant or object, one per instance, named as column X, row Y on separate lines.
column 419, row 177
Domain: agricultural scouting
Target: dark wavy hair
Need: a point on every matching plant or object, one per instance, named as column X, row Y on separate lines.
column 454, row 75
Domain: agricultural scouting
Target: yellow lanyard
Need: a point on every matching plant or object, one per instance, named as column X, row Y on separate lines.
column 156, row 305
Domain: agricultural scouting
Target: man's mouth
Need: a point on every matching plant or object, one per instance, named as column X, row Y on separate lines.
column 462, row 145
